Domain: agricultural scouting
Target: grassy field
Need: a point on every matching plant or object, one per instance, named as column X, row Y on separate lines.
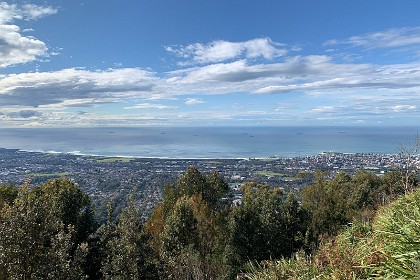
column 270, row 173
column 61, row 174
column 115, row 159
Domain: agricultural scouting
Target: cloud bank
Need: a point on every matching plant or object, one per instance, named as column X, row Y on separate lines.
column 311, row 74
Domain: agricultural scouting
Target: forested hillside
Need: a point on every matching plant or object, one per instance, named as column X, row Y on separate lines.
column 51, row 231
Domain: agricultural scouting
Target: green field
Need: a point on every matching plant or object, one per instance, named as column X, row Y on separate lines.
column 270, row 173
column 115, row 159
column 269, row 159
column 61, row 174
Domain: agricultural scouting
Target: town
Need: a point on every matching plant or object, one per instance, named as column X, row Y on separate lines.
column 112, row 179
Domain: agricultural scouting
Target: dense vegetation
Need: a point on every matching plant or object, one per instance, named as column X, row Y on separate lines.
column 387, row 248
column 330, row 230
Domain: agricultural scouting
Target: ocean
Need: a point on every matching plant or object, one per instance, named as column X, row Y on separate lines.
column 209, row 142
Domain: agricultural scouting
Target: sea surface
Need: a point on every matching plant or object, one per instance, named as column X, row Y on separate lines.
column 210, row 142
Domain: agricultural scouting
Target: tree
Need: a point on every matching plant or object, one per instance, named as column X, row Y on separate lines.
column 192, row 182
column 188, row 227
column 180, row 234
column 7, row 194
column 366, row 191
column 264, row 226
column 35, row 243
column 215, row 191
column 391, row 187
column 71, row 205
column 327, row 203
column 295, row 226
column 203, row 193
column 128, row 254
column 408, row 166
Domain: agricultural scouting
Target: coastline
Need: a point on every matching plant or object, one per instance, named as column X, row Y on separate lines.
column 269, row 158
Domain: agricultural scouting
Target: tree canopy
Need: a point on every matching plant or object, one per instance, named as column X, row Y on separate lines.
column 196, row 232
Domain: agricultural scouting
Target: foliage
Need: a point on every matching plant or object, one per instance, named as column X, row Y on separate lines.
column 299, row 267
column 181, row 229
column 189, row 225
column 327, row 203
column 71, row 205
column 398, row 237
column 37, row 240
column 387, row 248
column 349, row 255
column 49, row 231
column 7, row 194
column 333, row 204
column 265, row 226
column 128, row 255
column 192, row 182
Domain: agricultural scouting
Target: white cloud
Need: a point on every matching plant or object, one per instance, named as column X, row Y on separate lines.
column 219, row 51
column 12, row 12
column 15, row 48
column 75, row 86
column 336, row 77
column 324, row 109
column 241, row 76
column 404, row 108
column 151, row 106
column 312, row 74
column 34, row 12
column 193, row 101
column 397, row 37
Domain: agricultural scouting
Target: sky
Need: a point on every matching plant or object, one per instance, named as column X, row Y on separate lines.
column 85, row 63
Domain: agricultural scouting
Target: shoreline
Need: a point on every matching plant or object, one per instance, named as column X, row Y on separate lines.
column 116, row 156
column 216, row 143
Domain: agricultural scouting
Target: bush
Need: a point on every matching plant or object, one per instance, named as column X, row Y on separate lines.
column 389, row 248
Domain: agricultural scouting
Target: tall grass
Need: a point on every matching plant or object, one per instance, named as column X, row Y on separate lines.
column 398, row 236
column 298, row 267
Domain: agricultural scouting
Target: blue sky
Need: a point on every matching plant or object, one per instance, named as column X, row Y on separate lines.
column 196, row 62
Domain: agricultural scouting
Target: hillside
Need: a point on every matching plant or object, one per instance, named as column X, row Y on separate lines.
column 386, row 248
column 200, row 230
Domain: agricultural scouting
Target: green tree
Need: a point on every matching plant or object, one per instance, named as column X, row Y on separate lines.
column 180, row 235
column 294, row 226
column 7, row 194
column 264, row 226
column 188, row 228
column 71, row 205
column 216, row 190
column 327, row 203
column 391, row 187
column 128, row 254
column 192, row 182
column 207, row 191
column 35, row 243
column 366, row 191
column 181, row 229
